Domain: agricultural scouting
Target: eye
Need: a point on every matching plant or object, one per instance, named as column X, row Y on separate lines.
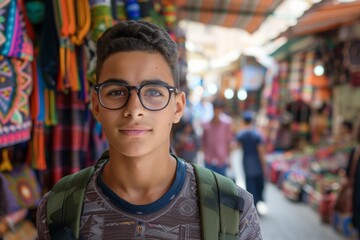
column 154, row 91
column 114, row 90
column 118, row 92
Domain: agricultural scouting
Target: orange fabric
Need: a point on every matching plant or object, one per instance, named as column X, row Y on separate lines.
column 73, row 73
column 318, row 81
column 84, row 21
column 70, row 9
column 64, row 18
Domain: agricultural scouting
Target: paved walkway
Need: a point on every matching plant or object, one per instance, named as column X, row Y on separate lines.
column 287, row 220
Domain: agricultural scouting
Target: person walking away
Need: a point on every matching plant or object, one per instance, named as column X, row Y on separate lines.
column 217, row 139
column 253, row 147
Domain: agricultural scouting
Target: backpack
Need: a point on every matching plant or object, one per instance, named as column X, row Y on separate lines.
column 219, row 204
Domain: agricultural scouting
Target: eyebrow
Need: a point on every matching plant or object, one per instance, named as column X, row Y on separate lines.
column 149, row 81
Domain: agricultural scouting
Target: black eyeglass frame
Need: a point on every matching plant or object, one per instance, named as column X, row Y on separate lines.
column 171, row 90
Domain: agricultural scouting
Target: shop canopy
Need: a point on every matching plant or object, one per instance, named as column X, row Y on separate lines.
column 325, row 16
column 244, row 14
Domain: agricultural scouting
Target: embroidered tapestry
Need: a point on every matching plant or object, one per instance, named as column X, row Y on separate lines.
column 15, row 88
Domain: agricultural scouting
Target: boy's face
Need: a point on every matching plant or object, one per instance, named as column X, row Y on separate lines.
column 134, row 130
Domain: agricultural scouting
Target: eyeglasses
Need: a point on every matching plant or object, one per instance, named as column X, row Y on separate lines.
column 115, row 95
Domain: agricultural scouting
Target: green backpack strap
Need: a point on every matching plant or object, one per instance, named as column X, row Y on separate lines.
column 65, row 203
column 220, row 205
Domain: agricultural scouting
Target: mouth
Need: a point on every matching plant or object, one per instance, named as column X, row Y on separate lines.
column 134, row 132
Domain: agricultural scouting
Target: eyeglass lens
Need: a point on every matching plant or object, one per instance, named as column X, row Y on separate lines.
column 152, row 96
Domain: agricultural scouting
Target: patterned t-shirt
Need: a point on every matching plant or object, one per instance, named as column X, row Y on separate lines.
column 178, row 219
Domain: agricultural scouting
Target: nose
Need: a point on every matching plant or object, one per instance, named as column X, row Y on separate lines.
column 133, row 107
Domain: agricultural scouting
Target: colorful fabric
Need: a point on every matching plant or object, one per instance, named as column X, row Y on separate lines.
column 15, row 89
column 70, row 136
column 101, row 17
column 296, row 73
column 14, row 42
column 19, row 189
column 205, row 12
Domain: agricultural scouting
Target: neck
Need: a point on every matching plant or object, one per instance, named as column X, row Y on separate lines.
column 140, row 180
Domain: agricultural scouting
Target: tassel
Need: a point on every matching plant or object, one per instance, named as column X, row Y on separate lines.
column 6, row 164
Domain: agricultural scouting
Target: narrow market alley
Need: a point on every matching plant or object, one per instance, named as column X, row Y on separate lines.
column 285, row 219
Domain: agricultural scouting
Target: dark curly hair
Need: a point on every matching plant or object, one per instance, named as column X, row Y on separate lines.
column 132, row 35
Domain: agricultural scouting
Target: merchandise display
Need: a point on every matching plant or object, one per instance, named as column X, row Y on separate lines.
column 314, row 178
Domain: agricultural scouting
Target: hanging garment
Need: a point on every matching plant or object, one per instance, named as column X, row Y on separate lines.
column 101, row 19
column 14, row 42
column 16, row 54
column 15, row 88
column 19, row 189
column 70, row 137
column 73, row 23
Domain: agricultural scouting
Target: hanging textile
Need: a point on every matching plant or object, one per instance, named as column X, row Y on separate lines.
column 73, row 23
column 16, row 54
column 307, row 89
column 15, row 88
column 101, row 19
column 296, row 73
column 14, row 42
column 70, row 137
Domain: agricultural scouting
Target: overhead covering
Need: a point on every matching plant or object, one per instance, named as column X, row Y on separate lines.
column 244, row 14
column 325, row 16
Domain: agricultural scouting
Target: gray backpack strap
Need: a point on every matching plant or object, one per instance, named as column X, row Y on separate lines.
column 64, row 206
column 219, row 203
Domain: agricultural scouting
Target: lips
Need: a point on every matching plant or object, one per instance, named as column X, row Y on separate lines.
column 134, row 131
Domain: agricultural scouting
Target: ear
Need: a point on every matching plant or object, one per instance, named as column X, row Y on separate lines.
column 179, row 106
column 95, row 106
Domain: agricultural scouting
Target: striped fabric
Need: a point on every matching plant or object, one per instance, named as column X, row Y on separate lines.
column 296, row 73
column 243, row 14
column 70, row 136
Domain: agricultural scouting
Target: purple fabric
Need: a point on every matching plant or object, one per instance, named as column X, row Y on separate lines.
column 19, row 189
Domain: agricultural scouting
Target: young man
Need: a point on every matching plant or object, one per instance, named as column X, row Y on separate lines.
column 141, row 191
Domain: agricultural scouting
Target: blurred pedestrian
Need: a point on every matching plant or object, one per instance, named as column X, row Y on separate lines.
column 253, row 147
column 217, row 138
column 187, row 142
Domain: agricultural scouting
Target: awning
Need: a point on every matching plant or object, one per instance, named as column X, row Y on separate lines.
column 325, row 16
column 244, row 14
column 294, row 45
